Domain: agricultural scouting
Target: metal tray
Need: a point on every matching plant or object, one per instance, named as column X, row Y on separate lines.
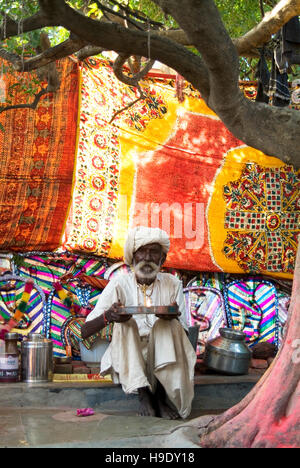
column 156, row 310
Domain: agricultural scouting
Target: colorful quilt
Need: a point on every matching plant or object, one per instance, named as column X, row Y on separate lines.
column 252, row 307
column 62, row 279
column 162, row 163
column 11, row 291
column 227, row 207
column 37, row 151
column 205, row 308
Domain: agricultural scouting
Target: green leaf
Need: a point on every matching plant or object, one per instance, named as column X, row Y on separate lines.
column 2, row 129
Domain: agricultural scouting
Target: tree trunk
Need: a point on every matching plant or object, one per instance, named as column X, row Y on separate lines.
column 269, row 416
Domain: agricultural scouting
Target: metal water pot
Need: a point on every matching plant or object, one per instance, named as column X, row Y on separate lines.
column 228, row 353
column 37, row 359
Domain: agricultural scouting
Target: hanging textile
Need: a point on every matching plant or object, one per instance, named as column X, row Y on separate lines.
column 205, row 308
column 64, row 278
column 37, row 151
column 160, row 162
column 24, row 301
column 252, row 307
column 174, row 165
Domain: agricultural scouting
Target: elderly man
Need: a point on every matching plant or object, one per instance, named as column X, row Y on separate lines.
column 148, row 354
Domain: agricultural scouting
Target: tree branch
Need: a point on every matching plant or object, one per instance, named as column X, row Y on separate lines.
column 137, row 15
column 10, row 28
column 205, row 29
column 32, row 105
column 241, row 116
column 114, row 14
column 68, row 47
column 130, row 80
column 215, row 74
column 142, row 96
column 89, row 51
column 14, row 59
column 270, row 24
column 248, row 44
column 48, row 73
column 112, row 36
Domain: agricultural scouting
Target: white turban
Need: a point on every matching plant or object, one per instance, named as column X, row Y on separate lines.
column 140, row 236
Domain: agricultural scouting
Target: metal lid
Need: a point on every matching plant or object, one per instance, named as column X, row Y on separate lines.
column 11, row 336
column 35, row 337
column 232, row 334
column 36, row 340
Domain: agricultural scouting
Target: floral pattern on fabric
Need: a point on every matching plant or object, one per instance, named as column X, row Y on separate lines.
column 91, row 222
column 262, row 218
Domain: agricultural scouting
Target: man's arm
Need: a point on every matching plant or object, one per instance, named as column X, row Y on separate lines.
column 109, row 316
column 92, row 327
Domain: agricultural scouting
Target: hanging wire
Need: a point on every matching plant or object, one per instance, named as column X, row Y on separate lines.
column 20, row 32
column 2, row 85
column 149, row 40
column 2, row 81
column 3, row 26
column 261, row 4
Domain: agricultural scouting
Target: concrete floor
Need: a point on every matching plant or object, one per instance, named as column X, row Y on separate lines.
column 61, row 428
column 44, row 415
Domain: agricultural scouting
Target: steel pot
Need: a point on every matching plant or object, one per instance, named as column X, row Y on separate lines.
column 37, row 359
column 228, row 353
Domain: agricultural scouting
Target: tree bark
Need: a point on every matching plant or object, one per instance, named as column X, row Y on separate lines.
column 273, row 130
column 270, row 24
column 278, row 127
column 269, row 416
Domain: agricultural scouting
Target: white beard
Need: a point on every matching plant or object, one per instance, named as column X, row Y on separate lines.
column 146, row 275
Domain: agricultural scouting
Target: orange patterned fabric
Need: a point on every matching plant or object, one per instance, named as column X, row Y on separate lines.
column 37, row 151
column 174, row 165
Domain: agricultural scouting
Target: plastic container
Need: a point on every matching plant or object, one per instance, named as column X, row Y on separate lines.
column 9, row 359
column 9, row 368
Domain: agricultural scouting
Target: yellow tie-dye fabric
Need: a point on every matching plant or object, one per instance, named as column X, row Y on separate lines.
column 174, row 165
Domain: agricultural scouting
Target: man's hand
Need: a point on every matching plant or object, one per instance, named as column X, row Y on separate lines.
column 171, row 316
column 113, row 314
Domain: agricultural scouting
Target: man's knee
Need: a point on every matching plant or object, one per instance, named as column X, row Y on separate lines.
column 162, row 324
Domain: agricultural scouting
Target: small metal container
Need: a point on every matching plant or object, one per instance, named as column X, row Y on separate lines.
column 228, row 353
column 37, row 359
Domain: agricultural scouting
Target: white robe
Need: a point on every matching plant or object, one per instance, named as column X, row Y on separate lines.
column 146, row 348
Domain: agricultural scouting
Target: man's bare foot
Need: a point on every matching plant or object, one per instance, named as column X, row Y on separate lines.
column 146, row 402
column 163, row 409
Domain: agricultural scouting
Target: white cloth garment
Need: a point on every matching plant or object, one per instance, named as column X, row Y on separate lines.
column 146, row 348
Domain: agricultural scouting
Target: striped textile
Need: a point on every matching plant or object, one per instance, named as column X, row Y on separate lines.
column 49, row 316
column 35, row 309
column 205, row 307
column 81, row 378
column 45, row 269
column 210, row 280
column 59, row 314
column 252, row 306
column 283, row 311
column 71, row 333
